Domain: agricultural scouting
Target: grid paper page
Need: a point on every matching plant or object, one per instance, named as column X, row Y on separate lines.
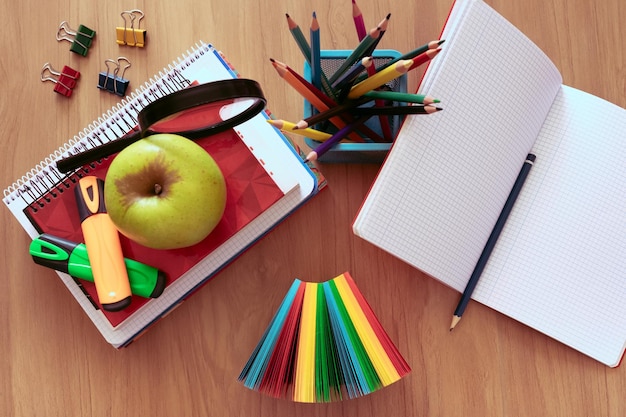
column 560, row 263
column 448, row 175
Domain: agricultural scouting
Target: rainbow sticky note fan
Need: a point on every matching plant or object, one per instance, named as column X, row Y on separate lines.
column 324, row 343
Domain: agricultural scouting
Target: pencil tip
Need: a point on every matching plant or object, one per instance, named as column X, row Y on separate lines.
column 455, row 321
column 441, row 41
column 272, row 60
column 388, row 16
column 287, row 15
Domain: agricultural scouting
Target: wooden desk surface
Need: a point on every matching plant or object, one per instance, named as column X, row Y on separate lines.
column 53, row 362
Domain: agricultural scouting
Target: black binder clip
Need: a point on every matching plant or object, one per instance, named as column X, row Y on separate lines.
column 64, row 81
column 80, row 39
column 112, row 80
column 131, row 34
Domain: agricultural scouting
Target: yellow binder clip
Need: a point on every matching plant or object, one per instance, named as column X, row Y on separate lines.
column 131, row 34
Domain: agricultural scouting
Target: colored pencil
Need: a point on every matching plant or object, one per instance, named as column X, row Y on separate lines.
column 324, row 100
column 316, row 66
column 359, row 52
column 415, row 52
column 424, row 57
column 343, row 108
column 359, row 24
column 395, row 110
column 298, row 36
column 401, row 97
column 382, row 26
column 491, row 241
column 310, row 93
column 334, row 139
column 385, row 126
column 380, row 78
column 306, row 132
column 305, row 48
column 351, row 74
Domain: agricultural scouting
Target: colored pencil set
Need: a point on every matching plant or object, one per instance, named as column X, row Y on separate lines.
column 344, row 100
column 323, row 344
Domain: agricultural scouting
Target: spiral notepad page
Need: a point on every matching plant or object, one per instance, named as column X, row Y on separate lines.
column 559, row 264
column 265, row 177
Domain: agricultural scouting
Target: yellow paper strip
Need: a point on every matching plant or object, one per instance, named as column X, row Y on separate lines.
column 382, row 363
column 304, row 387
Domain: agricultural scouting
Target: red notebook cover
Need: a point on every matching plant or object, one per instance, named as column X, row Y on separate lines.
column 250, row 191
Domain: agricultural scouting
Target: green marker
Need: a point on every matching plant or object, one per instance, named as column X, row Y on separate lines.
column 70, row 257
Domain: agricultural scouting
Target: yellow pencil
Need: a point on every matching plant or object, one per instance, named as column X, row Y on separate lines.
column 308, row 132
column 380, row 78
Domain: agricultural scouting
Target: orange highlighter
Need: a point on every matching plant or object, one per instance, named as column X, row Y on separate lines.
column 103, row 245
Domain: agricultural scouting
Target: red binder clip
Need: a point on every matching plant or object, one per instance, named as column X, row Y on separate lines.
column 64, row 81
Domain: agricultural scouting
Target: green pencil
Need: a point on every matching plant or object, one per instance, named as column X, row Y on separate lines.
column 401, row 97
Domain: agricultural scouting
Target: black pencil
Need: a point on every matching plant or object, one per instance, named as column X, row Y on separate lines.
column 395, row 110
column 493, row 238
column 344, row 108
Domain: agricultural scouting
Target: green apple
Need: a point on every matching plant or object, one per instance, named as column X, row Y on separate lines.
column 165, row 192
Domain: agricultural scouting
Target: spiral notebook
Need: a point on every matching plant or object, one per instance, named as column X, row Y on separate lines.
column 559, row 265
column 265, row 176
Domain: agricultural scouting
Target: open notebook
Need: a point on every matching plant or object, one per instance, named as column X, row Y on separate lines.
column 559, row 265
column 265, row 176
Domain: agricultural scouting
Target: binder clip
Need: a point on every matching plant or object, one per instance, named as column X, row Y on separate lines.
column 64, row 81
column 112, row 80
column 81, row 39
column 130, row 34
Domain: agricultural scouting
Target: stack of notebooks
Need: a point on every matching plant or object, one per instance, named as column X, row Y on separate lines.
column 324, row 344
column 265, row 176
column 559, row 265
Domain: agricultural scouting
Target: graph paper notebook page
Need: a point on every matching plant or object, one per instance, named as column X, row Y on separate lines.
column 559, row 264
column 266, row 180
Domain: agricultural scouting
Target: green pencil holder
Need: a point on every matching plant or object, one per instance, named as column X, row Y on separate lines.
column 368, row 151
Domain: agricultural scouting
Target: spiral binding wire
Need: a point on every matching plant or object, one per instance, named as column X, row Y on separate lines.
column 44, row 181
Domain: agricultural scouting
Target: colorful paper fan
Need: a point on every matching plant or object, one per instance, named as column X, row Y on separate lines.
column 323, row 344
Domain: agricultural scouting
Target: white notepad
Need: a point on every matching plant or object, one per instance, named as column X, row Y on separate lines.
column 560, row 263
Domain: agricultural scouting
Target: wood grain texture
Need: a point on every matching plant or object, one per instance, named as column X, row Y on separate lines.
column 53, row 362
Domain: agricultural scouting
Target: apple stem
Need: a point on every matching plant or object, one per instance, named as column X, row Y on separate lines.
column 157, row 189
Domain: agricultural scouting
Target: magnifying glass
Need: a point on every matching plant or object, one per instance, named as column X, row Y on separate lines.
column 195, row 112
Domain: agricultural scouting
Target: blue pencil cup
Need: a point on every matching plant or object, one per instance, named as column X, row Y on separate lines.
column 368, row 151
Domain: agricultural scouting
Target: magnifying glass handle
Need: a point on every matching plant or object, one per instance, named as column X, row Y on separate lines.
column 75, row 161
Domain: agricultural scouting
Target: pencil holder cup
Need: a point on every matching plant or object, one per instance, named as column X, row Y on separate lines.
column 371, row 150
